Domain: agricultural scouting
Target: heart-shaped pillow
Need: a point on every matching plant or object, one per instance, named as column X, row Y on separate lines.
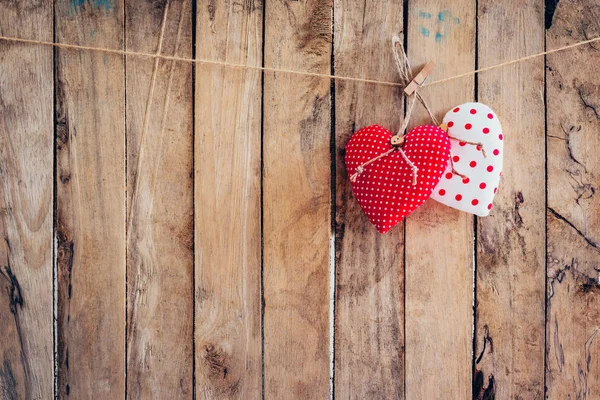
column 475, row 123
column 384, row 188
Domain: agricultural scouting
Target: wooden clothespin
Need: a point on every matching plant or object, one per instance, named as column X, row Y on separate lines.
column 420, row 78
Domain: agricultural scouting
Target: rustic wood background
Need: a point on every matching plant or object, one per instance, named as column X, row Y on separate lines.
column 174, row 231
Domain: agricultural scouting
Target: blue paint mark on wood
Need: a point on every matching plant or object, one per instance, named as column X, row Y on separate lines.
column 443, row 15
column 446, row 16
column 102, row 4
column 442, row 26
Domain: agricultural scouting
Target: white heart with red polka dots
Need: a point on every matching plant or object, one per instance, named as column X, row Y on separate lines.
column 477, row 123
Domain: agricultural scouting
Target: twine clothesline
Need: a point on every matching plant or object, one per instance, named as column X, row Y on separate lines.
column 282, row 70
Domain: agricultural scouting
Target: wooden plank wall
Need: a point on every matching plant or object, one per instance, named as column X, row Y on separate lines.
column 178, row 230
column 509, row 328
column 227, row 160
column 159, row 201
column 439, row 240
column 365, row 295
column 90, row 201
column 297, row 200
column 26, row 204
column 573, row 217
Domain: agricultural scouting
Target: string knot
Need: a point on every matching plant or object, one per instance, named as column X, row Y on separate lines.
column 354, row 176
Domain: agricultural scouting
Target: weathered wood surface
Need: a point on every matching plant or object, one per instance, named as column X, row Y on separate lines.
column 297, row 200
column 90, row 202
column 227, row 202
column 26, row 185
column 439, row 240
column 195, row 246
column 369, row 357
column 573, row 271
column 509, row 309
column 160, row 206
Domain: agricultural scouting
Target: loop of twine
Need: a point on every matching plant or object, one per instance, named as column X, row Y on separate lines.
column 478, row 144
column 406, row 76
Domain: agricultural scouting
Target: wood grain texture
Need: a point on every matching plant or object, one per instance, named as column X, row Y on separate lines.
column 509, row 353
column 297, row 200
column 90, row 215
column 439, row 240
column 369, row 312
column 26, row 202
column 160, row 205
column 573, row 290
column 227, row 202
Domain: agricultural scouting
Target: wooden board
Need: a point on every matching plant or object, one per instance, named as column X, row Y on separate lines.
column 573, row 289
column 509, row 345
column 160, row 201
column 90, row 215
column 297, row 200
column 227, row 196
column 26, row 202
column 439, row 240
column 369, row 307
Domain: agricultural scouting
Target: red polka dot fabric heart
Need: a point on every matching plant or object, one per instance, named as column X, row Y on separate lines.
column 385, row 189
column 477, row 123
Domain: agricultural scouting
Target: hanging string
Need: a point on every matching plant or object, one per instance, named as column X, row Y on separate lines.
column 287, row 71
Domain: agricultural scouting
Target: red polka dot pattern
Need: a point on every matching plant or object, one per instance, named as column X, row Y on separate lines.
column 472, row 122
column 384, row 189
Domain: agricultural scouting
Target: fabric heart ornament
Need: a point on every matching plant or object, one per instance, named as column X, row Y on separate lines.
column 386, row 188
column 475, row 123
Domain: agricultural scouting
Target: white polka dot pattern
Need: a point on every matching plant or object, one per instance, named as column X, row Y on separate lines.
column 385, row 189
column 472, row 122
